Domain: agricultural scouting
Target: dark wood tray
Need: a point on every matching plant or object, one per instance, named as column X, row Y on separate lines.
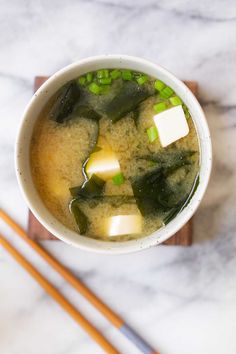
column 37, row 232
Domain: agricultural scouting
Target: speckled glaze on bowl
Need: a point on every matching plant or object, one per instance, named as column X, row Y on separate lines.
column 23, row 143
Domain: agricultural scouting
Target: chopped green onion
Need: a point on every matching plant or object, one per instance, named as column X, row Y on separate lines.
column 118, row 179
column 126, row 75
column 142, row 79
column 82, row 80
column 159, row 85
column 94, row 88
column 89, row 77
column 106, row 73
column 166, row 92
column 152, row 134
column 175, row 100
column 115, row 74
column 102, row 73
column 104, row 81
column 160, row 107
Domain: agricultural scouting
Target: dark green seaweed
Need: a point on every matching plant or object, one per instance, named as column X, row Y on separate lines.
column 154, row 194
column 90, row 188
column 90, row 193
column 86, row 111
column 152, row 191
column 113, row 200
column 135, row 116
column 172, row 214
column 80, row 218
column 170, row 159
column 128, row 98
column 92, row 201
column 65, row 102
column 96, row 149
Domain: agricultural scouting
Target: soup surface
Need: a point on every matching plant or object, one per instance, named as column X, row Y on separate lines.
column 115, row 155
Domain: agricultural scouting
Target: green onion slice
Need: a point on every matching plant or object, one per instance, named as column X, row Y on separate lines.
column 104, row 73
column 118, row 179
column 115, row 74
column 166, row 92
column 159, row 107
column 159, row 85
column 152, row 134
column 142, row 79
column 82, row 80
column 126, row 75
column 89, row 77
column 94, row 88
column 104, row 81
column 176, row 100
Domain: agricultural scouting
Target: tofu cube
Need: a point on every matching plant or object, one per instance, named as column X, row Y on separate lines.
column 104, row 164
column 123, row 225
column 171, row 125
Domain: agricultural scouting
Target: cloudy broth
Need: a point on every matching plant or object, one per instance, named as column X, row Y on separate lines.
column 102, row 162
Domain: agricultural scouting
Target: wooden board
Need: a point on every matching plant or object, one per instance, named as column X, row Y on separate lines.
column 37, row 232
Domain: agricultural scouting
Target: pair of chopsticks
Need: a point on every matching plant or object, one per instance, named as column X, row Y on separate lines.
column 117, row 321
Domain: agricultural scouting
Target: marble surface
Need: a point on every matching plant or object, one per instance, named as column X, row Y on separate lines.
column 182, row 300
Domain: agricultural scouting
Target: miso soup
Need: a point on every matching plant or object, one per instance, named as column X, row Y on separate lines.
column 115, row 155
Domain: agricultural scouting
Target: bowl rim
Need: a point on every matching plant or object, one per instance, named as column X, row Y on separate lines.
column 28, row 189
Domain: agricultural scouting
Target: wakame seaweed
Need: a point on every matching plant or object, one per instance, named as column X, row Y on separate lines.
column 65, row 102
column 172, row 214
column 127, row 99
column 152, row 190
column 91, row 187
column 113, row 200
column 170, row 159
column 86, row 111
column 80, row 218
column 135, row 116
column 154, row 194
column 91, row 193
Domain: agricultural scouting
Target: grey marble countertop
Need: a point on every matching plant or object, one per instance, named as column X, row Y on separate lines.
column 182, row 300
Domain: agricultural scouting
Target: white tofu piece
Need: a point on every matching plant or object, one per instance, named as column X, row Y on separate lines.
column 104, row 164
column 123, row 225
column 171, row 125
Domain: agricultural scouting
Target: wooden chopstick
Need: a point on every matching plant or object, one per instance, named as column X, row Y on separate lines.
column 116, row 320
column 60, row 299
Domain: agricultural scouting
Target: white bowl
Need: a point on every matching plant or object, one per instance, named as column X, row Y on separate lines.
column 23, row 142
